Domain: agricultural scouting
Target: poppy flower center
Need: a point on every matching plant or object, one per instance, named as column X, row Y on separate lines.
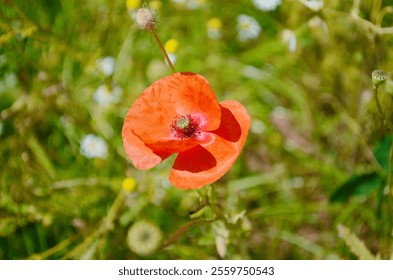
column 185, row 126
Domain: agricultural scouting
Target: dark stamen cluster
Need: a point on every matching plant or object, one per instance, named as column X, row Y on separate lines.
column 184, row 126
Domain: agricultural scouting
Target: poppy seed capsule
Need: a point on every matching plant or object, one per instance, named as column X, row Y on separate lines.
column 183, row 123
column 185, row 126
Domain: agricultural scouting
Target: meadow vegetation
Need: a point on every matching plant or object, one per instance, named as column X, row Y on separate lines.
column 313, row 180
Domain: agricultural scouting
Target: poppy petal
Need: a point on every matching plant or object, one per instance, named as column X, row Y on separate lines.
column 141, row 156
column 208, row 162
column 193, row 95
column 179, row 94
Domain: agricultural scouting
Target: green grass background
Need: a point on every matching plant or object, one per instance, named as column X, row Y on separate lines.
column 315, row 126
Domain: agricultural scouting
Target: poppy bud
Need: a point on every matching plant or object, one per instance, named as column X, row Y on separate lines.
column 145, row 19
column 378, row 77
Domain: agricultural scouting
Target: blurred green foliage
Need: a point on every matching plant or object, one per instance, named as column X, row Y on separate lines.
column 315, row 123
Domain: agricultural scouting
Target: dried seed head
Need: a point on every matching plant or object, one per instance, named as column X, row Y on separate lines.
column 145, row 19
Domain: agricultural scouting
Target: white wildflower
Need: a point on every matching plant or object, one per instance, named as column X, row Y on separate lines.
column 144, row 238
column 105, row 95
column 93, row 146
column 190, row 4
column 267, row 5
column 248, row 28
column 289, row 38
column 315, row 5
column 9, row 81
column 214, row 26
column 195, row 4
column 258, row 126
column 317, row 22
column 171, row 46
column 172, row 58
column 106, row 65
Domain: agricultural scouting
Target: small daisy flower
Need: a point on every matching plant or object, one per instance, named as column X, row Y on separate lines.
column 171, row 47
column 317, row 22
column 289, row 38
column 106, row 65
column 144, row 238
column 181, row 2
column 315, row 5
column 214, row 26
column 190, row 4
column 105, row 95
column 9, row 81
column 266, row 5
column 258, row 126
column 248, row 28
column 93, row 146
column 195, row 4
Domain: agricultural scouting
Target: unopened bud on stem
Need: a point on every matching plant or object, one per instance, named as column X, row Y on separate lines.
column 378, row 77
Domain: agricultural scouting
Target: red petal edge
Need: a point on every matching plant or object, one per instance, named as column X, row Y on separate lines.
column 141, row 156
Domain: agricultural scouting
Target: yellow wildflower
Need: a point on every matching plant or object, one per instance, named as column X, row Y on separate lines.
column 171, row 45
column 214, row 23
column 133, row 4
column 129, row 184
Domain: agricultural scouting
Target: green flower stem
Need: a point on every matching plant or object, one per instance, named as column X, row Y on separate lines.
column 375, row 90
column 389, row 179
column 367, row 25
column 376, row 10
column 357, row 130
column 390, row 170
column 384, row 11
column 380, row 109
column 175, row 236
column 53, row 250
column 106, row 225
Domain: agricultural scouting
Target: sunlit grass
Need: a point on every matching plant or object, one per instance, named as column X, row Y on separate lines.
column 305, row 79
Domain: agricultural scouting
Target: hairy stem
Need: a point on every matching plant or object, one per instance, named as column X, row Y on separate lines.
column 162, row 49
column 375, row 90
column 390, row 169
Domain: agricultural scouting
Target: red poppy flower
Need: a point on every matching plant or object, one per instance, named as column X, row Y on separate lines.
column 180, row 114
